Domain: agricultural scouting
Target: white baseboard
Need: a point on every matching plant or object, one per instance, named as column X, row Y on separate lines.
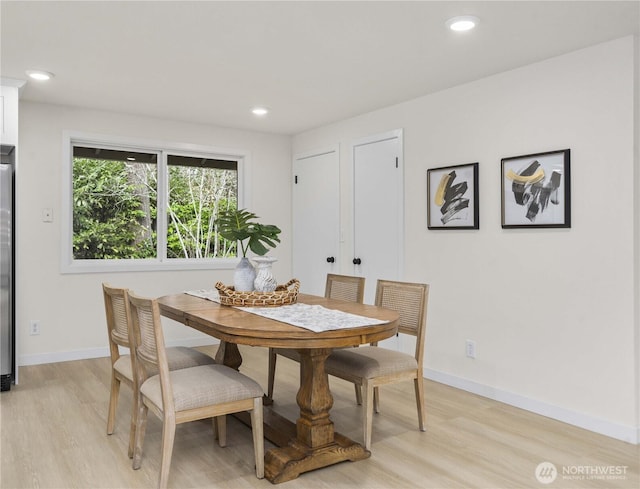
column 629, row 434
column 65, row 356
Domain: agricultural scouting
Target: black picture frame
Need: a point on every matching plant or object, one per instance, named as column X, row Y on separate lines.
column 536, row 190
column 452, row 197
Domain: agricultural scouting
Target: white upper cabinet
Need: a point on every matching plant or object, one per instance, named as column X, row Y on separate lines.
column 9, row 114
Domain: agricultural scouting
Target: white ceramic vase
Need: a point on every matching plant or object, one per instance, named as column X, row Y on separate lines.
column 244, row 276
column 264, row 281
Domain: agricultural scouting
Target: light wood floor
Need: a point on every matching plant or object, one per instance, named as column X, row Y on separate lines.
column 53, row 436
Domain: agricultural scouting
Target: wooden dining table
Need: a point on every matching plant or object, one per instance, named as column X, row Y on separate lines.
column 311, row 442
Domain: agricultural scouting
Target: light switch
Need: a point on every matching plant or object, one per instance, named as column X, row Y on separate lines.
column 47, row 215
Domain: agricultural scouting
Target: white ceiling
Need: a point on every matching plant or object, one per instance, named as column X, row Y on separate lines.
column 312, row 63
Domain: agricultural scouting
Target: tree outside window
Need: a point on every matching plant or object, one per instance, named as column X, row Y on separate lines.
column 199, row 188
column 116, row 201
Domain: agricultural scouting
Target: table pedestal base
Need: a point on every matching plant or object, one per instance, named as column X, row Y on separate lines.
column 315, row 443
column 286, row 463
column 291, row 457
column 311, row 443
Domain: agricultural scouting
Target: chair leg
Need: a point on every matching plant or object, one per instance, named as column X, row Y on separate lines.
column 221, row 425
column 368, row 413
column 422, row 410
column 376, row 399
column 113, row 402
column 168, row 437
column 273, row 356
column 132, row 428
column 358, row 394
column 141, row 426
column 258, row 437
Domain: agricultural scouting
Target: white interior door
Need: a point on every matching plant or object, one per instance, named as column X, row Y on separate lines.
column 378, row 241
column 378, row 209
column 316, row 219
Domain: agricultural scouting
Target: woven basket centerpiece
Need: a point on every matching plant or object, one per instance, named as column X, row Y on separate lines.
column 283, row 295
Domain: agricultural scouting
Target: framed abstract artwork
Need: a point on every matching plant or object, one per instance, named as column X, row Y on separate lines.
column 452, row 197
column 536, row 190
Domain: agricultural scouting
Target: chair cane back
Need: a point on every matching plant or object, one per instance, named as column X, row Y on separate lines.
column 116, row 304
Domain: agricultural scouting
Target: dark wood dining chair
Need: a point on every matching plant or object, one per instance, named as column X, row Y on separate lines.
column 189, row 394
column 116, row 304
column 341, row 287
column 372, row 366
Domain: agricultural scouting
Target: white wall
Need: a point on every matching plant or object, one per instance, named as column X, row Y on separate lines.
column 70, row 307
column 552, row 310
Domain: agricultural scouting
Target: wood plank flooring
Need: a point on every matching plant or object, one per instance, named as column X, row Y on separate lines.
column 53, row 435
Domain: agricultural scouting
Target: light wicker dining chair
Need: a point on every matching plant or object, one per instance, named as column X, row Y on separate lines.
column 189, row 394
column 373, row 366
column 342, row 287
column 116, row 304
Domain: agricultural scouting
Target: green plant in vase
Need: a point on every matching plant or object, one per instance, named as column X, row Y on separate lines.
column 240, row 225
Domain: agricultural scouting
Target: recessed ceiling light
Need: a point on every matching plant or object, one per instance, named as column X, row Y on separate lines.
column 462, row 23
column 260, row 111
column 40, row 75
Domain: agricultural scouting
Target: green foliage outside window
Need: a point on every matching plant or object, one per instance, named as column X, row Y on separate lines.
column 115, row 210
column 196, row 197
column 108, row 216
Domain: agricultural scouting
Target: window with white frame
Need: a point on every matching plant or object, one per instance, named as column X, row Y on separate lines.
column 145, row 206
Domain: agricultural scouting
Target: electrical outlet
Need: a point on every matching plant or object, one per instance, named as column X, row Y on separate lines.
column 34, row 327
column 470, row 348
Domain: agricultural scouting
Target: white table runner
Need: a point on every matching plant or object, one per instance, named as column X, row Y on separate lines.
column 210, row 294
column 312, row 317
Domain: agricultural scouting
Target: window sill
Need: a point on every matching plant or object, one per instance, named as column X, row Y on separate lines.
column 108, row 266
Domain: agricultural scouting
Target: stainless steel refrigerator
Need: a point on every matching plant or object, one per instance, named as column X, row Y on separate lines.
column 7, row 288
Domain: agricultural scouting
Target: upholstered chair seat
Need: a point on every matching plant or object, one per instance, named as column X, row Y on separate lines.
column 369, row 362
column 201, row 386
column 178, row 357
